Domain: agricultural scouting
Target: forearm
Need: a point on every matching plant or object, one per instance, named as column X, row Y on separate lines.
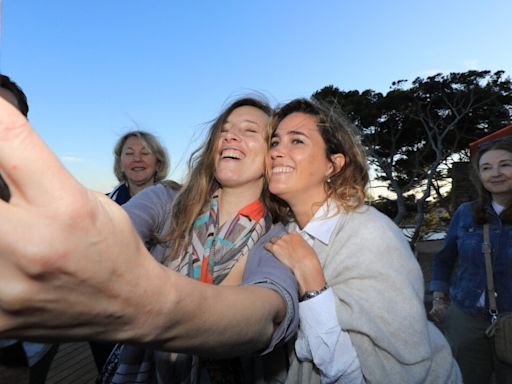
column 188, row 316
column 153, row 306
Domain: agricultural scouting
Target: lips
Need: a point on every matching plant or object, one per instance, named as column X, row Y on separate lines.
column 231, row 153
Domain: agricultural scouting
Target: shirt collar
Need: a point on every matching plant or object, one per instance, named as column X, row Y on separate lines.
column 497, row 207
column 322, row 224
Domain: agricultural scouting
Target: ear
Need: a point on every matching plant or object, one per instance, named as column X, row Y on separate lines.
column 337, row 162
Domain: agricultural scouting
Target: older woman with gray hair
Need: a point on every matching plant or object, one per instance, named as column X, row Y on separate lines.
column 140, row 161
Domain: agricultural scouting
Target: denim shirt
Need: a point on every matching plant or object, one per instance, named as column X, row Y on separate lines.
column 462, row 251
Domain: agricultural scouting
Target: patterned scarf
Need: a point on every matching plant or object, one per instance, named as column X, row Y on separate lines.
column 214, row 249
column 212, row 252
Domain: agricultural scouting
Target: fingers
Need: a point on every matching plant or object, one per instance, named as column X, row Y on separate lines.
column 31, row 170
column 438, row 312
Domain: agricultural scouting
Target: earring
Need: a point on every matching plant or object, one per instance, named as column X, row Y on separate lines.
column 328, row 179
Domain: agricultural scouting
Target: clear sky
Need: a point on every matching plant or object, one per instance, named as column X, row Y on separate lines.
column 94, row 69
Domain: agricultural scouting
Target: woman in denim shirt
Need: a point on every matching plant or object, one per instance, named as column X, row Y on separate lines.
column 467, row 316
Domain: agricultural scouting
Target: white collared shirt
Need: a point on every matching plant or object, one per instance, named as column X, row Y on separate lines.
column 321, row 338
column 321, row 225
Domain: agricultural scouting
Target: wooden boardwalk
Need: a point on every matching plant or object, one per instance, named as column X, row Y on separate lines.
column 73, row 364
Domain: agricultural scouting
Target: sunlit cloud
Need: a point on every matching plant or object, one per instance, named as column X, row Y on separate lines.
column 467, row 65
column 72, row 159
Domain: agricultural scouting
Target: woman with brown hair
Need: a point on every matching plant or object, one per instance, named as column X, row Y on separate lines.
column 214, row 231
column 362, row 317
column 459, row 282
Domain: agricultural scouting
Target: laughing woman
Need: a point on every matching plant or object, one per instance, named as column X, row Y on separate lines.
column 362, row 317
column 214, row 231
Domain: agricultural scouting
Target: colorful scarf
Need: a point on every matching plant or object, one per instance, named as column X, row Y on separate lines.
column 213, row 250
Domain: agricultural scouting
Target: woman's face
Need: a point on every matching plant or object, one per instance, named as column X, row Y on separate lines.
column 495, row 168
column 241, row 149
column 137, row 162
column 298, row 162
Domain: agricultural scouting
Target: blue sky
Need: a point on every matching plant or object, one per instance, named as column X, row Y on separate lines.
column 94, row 69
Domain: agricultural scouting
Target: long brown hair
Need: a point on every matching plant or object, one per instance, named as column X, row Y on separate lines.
column 346, row 187
column 201, row 183
column 480, row 214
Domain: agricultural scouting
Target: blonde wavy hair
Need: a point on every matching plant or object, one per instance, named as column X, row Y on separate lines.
column 346, row 187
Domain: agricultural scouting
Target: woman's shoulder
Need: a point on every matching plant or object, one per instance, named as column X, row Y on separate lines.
column 155, row 199
column 366, row 222
column 258, row 250
column 369, row 216
column 277, row 229
column 156, row 192
column 466, row 206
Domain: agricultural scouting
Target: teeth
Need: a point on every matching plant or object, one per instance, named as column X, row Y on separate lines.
column 282, row 169
column 230, row 153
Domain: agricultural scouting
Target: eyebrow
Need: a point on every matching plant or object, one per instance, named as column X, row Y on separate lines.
column 499, row 162
column 144, row 147
column 243, row 121
column 291, row 133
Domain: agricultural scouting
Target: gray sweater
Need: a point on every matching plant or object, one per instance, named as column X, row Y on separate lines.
column 379, row 289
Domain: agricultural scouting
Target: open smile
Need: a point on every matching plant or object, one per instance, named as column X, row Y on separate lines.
column 232, row 153
column 281, row 170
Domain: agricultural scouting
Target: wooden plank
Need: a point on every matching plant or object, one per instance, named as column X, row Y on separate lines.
column 73, row 364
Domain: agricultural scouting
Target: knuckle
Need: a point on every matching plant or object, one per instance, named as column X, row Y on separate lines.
column 17, row 296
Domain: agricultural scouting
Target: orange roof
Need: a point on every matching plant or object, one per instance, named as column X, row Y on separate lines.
column 507, row 131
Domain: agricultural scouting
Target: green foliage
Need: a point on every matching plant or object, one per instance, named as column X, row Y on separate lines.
column 417, row 126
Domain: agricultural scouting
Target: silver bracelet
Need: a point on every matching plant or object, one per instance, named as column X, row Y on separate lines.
column 310, row 294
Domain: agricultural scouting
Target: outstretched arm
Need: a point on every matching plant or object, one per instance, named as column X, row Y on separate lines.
column 72, row 267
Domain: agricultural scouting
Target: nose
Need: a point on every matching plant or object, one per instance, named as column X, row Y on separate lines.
column 231, row 135
column 137, row 156
column 496, row 171
column 276, row 152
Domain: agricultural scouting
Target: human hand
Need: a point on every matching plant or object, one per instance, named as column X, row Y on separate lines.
column 294, row 252
column 438, row 311
column 70, row 260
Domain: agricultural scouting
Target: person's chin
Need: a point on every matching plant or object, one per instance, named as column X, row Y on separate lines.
column 278, row 188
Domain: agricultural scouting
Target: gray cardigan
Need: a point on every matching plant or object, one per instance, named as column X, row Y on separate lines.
column 379, row 289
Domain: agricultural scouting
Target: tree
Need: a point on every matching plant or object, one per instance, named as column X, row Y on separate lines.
column 415, row 131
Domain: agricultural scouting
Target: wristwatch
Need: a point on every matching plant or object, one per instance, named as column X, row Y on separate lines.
column 310, row 294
